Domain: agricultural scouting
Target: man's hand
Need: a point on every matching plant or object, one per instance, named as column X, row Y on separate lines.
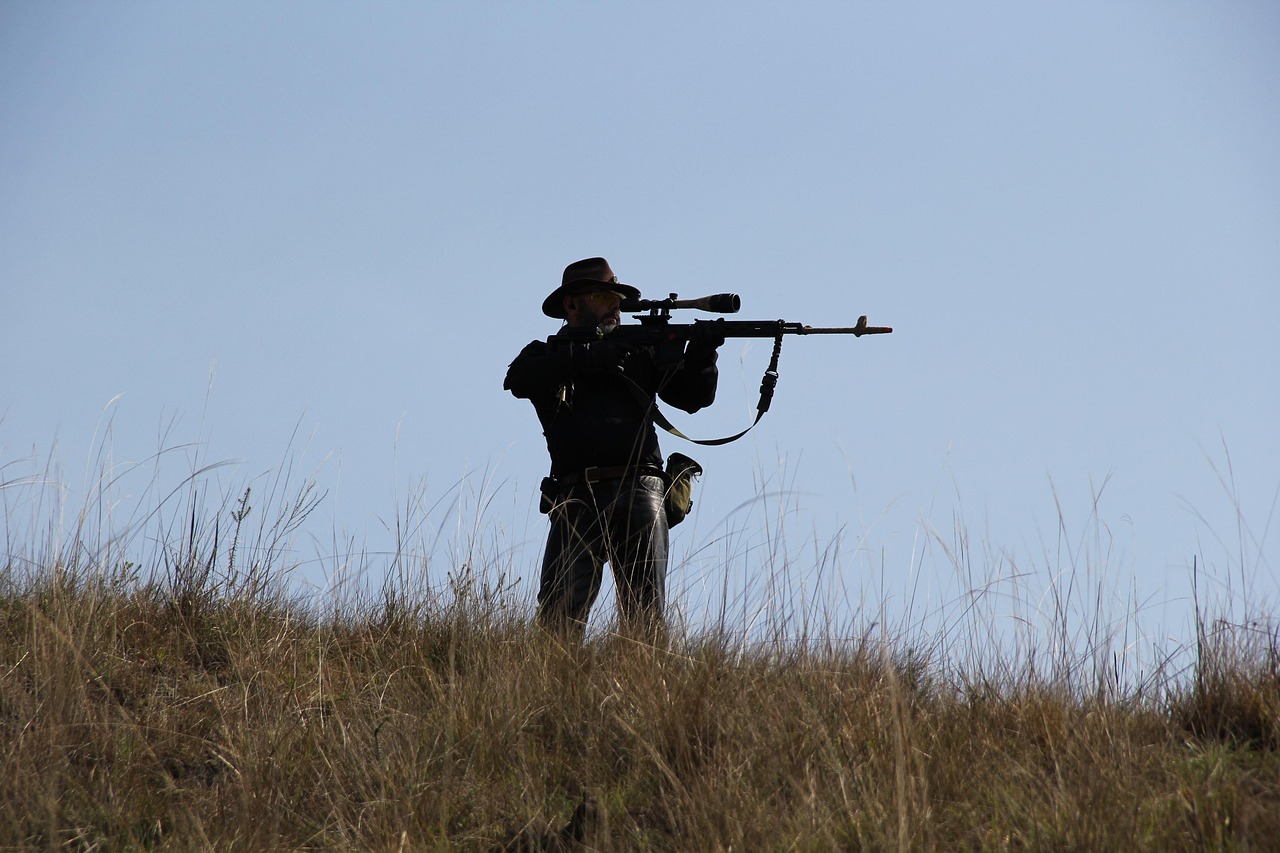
column 706, row 337
column 708, row 334
column 603, row 356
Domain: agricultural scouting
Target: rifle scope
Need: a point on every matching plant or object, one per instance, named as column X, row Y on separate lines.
column 717, row 303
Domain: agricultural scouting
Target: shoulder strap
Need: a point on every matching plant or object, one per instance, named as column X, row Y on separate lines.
column 767, row 383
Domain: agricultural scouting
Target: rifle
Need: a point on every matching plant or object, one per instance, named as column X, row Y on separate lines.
column 670, row 339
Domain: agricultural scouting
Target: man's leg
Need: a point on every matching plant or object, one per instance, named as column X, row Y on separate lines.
column 572, row 564
column 638, row 539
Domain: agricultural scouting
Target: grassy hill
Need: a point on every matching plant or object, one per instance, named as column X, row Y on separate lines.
column 195, row 702
column 186, row 712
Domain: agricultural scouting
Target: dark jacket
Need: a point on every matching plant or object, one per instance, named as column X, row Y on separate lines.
column 591, row 415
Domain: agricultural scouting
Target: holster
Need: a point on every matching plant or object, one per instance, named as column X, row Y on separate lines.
column 550, row 491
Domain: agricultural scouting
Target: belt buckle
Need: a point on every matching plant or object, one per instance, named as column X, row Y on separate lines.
column 589, row 475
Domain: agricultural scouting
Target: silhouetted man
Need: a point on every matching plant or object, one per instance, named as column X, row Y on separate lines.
column 595, row 396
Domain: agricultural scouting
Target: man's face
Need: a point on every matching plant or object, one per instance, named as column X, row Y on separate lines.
column 600, row 308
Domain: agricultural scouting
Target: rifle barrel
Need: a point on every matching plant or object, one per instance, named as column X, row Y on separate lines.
column 766, row 328
column 859, row 331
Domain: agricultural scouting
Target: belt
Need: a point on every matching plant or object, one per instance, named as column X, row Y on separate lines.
column 616, row 472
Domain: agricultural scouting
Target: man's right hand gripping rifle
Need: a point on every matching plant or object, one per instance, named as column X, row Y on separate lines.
column 599, row 354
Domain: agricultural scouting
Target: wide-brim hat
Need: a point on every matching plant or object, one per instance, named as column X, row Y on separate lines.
column 583, row 277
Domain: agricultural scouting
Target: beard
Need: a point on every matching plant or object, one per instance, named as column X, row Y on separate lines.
column 605, row 321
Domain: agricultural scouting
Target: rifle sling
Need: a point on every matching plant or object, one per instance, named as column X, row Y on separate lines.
column 767, row 383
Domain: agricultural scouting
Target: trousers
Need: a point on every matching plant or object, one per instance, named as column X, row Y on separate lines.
column 621, row 522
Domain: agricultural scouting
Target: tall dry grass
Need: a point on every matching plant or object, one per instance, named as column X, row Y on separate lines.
column 196, row 702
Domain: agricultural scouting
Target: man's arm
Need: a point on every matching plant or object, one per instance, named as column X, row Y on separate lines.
column 693, row 385
column 542, row 369
column 537, row 371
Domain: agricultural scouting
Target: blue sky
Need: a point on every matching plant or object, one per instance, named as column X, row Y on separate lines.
column 310, row 237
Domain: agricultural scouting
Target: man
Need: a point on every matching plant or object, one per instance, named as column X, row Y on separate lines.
column 595, row 398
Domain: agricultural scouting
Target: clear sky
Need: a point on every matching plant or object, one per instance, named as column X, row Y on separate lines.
column 307, row 238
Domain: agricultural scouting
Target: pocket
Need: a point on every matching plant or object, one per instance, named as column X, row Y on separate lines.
column 679, row 499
